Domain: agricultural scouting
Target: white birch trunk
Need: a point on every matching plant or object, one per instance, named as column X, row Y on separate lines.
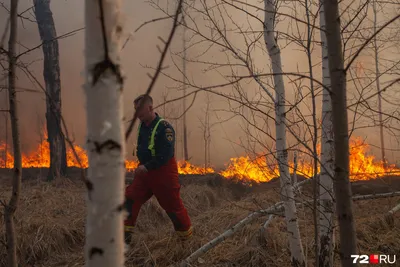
column 327, row 159
column 105, row 141
column 296, row 248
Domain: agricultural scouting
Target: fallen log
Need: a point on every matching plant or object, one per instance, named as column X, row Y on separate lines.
column 275, row 208
column 389, row 216
column 375, row 196
column 278, row 207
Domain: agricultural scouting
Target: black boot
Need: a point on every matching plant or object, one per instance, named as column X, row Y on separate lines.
column 128, row 231
column 128, row 238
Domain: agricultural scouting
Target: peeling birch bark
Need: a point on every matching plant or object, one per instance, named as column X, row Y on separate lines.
column 326, row 209
column 105, row 138
column 296, row 248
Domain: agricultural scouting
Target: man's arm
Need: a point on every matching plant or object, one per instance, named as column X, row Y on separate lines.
column 164, row 146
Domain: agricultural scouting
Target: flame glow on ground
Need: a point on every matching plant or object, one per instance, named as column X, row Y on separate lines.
column 262, row 169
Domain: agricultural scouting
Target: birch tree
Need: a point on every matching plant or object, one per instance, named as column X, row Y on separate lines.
column 105, row 141
column 344, row 204
column 12, row 205
column 296, row 248
column 327, row 158
column 51, row 74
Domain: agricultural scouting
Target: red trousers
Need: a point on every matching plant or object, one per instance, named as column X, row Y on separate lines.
column 164, row 185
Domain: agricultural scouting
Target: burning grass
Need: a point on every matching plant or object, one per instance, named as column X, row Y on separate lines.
column 50, row 225
column 363, row 166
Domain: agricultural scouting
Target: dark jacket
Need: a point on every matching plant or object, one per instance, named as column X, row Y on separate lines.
column 164, row 144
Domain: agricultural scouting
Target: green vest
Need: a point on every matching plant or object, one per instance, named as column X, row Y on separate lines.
column 153, row 134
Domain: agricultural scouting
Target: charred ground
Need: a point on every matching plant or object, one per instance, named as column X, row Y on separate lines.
column 51, row 217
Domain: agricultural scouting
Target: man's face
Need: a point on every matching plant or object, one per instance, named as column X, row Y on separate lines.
column 145, row 111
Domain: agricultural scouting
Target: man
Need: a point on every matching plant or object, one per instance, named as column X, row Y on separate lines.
column 157, row 172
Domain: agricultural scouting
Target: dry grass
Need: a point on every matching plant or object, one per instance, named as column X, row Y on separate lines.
column 50, row 224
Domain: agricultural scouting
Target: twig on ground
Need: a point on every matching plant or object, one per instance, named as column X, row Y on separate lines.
column 151, row 256
column 268, row 221
column 395, row 209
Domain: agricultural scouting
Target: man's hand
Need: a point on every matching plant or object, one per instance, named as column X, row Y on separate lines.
column 140, row 170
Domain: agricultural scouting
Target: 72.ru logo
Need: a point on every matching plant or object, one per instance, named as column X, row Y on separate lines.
column 374, row 259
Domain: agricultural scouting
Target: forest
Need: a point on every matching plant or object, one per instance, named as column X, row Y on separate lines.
column 285, row 117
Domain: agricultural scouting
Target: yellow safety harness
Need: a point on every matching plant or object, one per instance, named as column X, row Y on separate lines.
column 153, row 134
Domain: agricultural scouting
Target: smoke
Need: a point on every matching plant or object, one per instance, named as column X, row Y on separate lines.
column 138, row 56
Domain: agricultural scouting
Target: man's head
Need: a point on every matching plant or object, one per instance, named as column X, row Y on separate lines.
column 144, row 108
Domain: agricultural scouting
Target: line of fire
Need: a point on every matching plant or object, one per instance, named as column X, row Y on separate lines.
column 363, row 165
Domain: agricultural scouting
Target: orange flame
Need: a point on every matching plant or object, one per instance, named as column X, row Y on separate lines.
column 262, row 169
column 362, row 166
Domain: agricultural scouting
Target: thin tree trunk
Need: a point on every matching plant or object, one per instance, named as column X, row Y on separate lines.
column 207, row 135
column 51, row 74
column 294, row 178
column 296, row 248
column 105, row 138
column 176, row 141
column 208, row 131
column 326, row 206
column 165, row 95
column 205, row 141
column 6, row 145
column 343, row 195
column 378, row 85
column 185, row 137
column 314, row 139
column 12, row 205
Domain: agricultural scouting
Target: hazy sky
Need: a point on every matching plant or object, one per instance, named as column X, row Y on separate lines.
column 139, row 53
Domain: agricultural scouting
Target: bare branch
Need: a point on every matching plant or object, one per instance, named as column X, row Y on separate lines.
column 151, row 21
column 160, row 64
column 68, row 34
column 369, row 40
